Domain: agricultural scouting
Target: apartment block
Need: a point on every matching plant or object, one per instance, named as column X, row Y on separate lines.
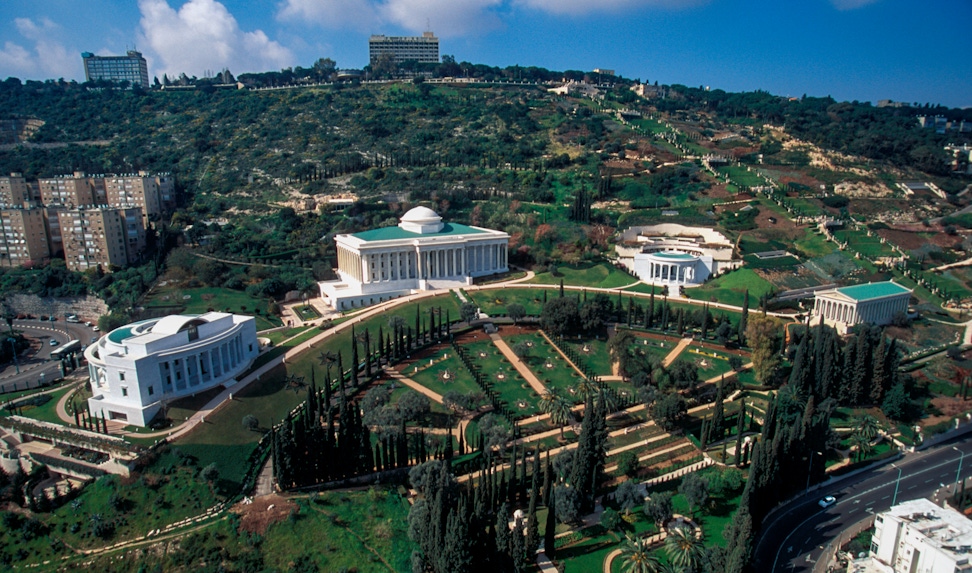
column 14, row 190
column 423, row 49
column 130, row 68
column 55, row 242
column 153, row 194
column 101, row 236
column 23, row 238
column 919, row 536
column 77, row 190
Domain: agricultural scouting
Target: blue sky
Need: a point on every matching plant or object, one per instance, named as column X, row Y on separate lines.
column 850, row 49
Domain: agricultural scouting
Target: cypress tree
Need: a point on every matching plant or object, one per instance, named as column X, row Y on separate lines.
column 368, row 357
column 879, row 380
column 650, row 315
column 550, row 527
column 354, row 359
column 561, row 288
column 743, row 319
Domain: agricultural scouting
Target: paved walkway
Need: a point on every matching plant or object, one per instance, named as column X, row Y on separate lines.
column 525, row 372
column 682, row 345
column 399, row 377
column 561, row 352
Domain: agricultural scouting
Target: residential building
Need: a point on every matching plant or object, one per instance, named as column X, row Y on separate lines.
column 76, row 190
column 871, row 303
column 130, row 68
column 23, row 238
column 421, row 253
column 55, row 242
column 137, row 368
column 153, row 194
column 422, row 49
column 101, row 236
column 14, row 190
column 920, row 536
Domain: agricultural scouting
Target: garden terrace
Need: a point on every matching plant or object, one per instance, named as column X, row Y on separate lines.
column 546, row 363
column 446, row 373
column 500, row 376
column 495, row 302
column 597, row 275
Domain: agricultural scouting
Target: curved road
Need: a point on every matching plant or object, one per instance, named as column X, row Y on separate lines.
column 793, row 539
column 36, row 362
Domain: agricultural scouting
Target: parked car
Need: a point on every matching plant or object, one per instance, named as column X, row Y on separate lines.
column 827, row 501
column 73, row 318
column 53, row 342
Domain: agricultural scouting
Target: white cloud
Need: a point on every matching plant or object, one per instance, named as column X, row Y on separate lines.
column 203, row 35
column 851, row 4
column 358, row 14
column 447, row 18
column 44, row 58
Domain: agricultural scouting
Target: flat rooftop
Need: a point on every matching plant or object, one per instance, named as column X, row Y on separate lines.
column 872, row 291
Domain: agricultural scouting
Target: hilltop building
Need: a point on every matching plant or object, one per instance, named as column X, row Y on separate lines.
column 918, row 535
column 130, row 68
column 874, row 303
column 422, row 49
column 138, row 367
column 421, row 253
column 675, row 255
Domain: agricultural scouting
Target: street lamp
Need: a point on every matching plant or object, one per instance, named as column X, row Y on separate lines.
column 810, row 467
column 13, row 348
column 897, row 482
column 958, row 472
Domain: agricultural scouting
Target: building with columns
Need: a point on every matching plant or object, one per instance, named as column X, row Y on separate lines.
column 674, row 255
column 421, row 253
column 873, row 303
column 135, row 369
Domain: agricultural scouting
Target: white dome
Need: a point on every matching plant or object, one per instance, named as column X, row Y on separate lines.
column 421, row 215
column 421, row 220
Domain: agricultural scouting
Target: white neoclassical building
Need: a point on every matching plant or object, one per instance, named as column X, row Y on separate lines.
column 421, row 253
column 874, row 303
column 675, row 255
column 135, row 368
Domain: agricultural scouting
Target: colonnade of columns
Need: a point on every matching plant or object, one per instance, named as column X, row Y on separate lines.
column 670, row 272
column 878, row 312
column 424, row 263
column 203, row 366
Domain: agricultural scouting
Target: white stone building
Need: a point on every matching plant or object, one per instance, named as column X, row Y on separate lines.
column 920, row 536
column 874, row 303
column 675, row 255
column 135, row 368
column 421, row 253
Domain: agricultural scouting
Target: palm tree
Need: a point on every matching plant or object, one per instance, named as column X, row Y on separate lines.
column 554, row 404
column 585, row 388
column 606, row 399
column 863, row 445
column 637, row 556
column 684, row 549
column 868, row 426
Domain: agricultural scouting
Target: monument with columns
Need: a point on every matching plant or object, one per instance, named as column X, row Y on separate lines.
column 871, row 303
column 421, row 253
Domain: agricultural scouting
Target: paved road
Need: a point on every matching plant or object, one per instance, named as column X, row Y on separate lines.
column 793, row 539
column 36, row 362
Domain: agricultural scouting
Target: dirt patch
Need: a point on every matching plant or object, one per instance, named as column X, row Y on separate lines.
column 265, row 510
column 949, row 408
column 910, row 241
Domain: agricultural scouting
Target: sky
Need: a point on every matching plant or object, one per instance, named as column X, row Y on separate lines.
column 864, row 50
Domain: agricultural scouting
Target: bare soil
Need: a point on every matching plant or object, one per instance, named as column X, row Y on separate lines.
column 259, row 515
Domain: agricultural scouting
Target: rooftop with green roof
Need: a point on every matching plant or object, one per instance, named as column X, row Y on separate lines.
column 395, row 233
column 872, row 291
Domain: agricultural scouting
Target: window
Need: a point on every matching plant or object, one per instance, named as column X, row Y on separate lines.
column 251, row 348
column 151, row 390
column 121, row 376
column 124, row 391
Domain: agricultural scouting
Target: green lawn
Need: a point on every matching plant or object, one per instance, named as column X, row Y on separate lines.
column 45, row 412
column 730, row 288
column 495, row 301
column 200, row 300
column 511, row 387
column 547, row 364
column 593, row 354
column 741, row 176
column 459, row 379
column 815, row 245
column 715, row 362
column 598, row 275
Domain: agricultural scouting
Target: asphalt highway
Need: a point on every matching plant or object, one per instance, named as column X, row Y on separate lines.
column 793, row 538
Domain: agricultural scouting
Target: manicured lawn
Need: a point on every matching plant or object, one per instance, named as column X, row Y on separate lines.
column 201, row 300
column 711, row 363
column 307, row 312
column 45, row 412
column 593, row 353
column 741, row 176
column 599, row 275
column 815, row 245
column 645, row 288
column 459, row 380
column 495, row 301
column 547, row 364
column 512, row 388
column 867, row 246
column 730, row 288
column 278, row 336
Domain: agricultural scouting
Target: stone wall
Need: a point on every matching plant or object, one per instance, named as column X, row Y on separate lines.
column 86, row 307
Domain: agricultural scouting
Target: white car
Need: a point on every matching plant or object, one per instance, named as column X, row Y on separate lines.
column 827, row 501
column 53, row 342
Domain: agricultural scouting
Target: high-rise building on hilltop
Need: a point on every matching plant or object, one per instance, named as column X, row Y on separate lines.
column 101, row 236
column 131, row 68
column 422, row 49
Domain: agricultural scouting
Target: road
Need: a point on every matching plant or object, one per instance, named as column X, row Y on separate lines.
column 36, row 362
column 793, row 539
